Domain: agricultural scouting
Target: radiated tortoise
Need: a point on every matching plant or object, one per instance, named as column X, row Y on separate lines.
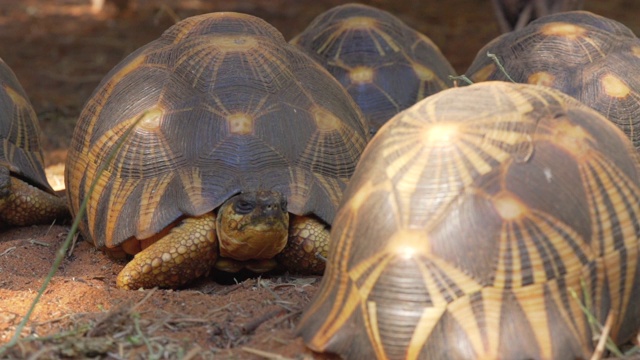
column 239, row 146
column 384, row 64
column 582, row 54
column 471, row 221
column 26, row 197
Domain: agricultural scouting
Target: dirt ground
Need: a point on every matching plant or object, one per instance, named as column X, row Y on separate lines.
column 60, row 50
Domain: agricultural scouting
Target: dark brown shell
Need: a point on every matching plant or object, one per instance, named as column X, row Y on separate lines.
column 220, row 104
column 19, row 132
column 385, row 65
column 579, row 53
column 470, row 220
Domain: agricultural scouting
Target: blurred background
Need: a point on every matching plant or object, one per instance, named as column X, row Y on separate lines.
column 61, row 49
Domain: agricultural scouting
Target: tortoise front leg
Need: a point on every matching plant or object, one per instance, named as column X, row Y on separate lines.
column 308, row 246
column 187, row 252
column 22, row 204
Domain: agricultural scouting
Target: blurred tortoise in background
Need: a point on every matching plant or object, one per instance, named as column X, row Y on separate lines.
column 515, row 14
column 26, row 198
column 385, row 65
column 226, row 141
column 587, row 56
column 468, row 223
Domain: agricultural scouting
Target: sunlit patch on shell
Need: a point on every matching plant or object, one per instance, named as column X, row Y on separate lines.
column 151, row 120
column 359, row 23
column 363, row 193
column 614, row 87
column 235, row 43
column 541, row 78
column 15, row 97
column 408, row 244
column 440, row 135
column 325, row 120
column 508, row 206
column 572, row 138
column 240, row 123
column 636, row 51
column 484, row 73
column 132, row 65
column 361, row 75
column 423, row 72
column 567, row 30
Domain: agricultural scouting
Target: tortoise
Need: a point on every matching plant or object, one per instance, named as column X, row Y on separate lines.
column 471, row 219
column 26, row 198
column 385, row 65
column 515, row 14
column 579, row 53
column 222, row 146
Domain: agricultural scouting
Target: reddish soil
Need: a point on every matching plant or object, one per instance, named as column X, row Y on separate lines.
column 60, row 50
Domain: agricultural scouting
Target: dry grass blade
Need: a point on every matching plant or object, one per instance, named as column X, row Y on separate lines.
column 62, row 251
column 462, row 78
column 495, row 59
column 596, row 327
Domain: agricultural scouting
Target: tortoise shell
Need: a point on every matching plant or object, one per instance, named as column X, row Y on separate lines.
column 20, row 132
column 579, row 53
column 384, row 64
column 468, row 223
column 220, row 104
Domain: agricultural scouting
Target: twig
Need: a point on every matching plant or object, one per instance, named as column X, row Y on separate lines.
column 602, row 342
column 152, row 353
column 288, row 316
column 73, row 245
column 50, row 227
column 596, row 327
column 252, row 325
column 144, row 299
column 229, row 289
column 8, row 250
column 192, row 353
column 265, row 354
column 37, row 354
column 36, row 242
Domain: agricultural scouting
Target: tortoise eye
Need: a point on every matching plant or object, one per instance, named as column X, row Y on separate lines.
column 244, row 207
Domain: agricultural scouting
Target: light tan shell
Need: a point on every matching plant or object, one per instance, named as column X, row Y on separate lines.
column 470, row 220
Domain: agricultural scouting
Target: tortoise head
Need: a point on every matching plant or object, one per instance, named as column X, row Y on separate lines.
column 253, row 225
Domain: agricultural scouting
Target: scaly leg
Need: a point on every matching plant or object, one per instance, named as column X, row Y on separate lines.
column 308, row 246
column 24, row 204
column 187, row 252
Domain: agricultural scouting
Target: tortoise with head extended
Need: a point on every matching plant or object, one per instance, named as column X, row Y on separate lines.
column 26, row 197
column 579, row 53
column 470, row 221
column 515, row 14
column 222, row 146
column 385, row 65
